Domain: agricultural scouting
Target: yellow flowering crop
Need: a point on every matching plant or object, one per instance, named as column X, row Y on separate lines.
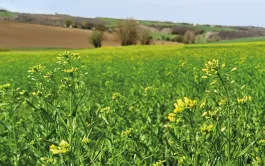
column 71, row 70
column 37, row 68
column 171, row 117
column 127, row 132
column 206, row 128
column 115, row 96
column 186, row 104
column 244, row 99
column 5, row 86
column 85, row 140
column 61, row 149
column 106, row 109
column 159, row 163
column 211, row 67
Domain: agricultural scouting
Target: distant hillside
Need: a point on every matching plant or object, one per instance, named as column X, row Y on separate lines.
column 160, row 30
column 15, row 35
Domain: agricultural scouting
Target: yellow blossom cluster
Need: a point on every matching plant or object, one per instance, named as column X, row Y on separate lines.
column 211, row 68
column 37, row 93
column 48, row 75
column 85, row 140
column 159, row 163
column 149, row 88
column 127, row 132
column 23, row 92
column 244, row 99
column 181, row 160
column 68, row 55
column 171, row 117
column 115, row 96
column 61, row 149
column 5, row 86
column 210, row 114
column 37, row 69
column 106, row 109
column 262, row 142
column 206, row 128
column 180, row 106
column 70, row 70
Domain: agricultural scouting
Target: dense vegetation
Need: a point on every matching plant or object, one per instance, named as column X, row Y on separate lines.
column 153, row 105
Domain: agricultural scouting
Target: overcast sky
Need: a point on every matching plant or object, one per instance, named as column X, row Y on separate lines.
column 224, row 12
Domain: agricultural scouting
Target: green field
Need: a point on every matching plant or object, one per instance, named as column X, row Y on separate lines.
column 247, row 39
column 7, row 14
column 160, row 36
column 137, row 105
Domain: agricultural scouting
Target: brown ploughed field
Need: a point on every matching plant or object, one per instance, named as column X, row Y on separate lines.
column 21, row 35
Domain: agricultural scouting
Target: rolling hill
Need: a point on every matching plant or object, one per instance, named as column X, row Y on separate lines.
column 24, row 30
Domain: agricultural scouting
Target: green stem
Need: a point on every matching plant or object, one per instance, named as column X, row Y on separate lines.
column 229, row 117
column 70, row 109
column 16, row 148
column 194, row 138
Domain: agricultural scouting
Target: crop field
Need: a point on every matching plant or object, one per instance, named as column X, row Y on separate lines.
column 21, row 35
column 247, row 39
column 137, row 105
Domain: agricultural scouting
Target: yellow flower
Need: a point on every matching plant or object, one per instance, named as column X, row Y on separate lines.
column 115, row 96
column 214, row 82
column 70, row 70
column 211, row 67
column 63, row 148
column 22, row 92
column 180, row 105
column 205, row 114
column 63, row 143
column 206, row 128
column 37, row 93
column 192, row 103
column 106, row 109
column 222, row 102
column 171, row 117
column 48, row 75
column 37, row 69
column 210, row 127
column 159, row 163
column 148, row 88
column 244, row 100
column 262, row 142
column 54, row 149
column 127, row 132
column 178, row 109
column 181, row 160
column 233, row 69
column 85, row 140
column 43, row 158
column 203, row 104
column 257, row 161
column 5, row 86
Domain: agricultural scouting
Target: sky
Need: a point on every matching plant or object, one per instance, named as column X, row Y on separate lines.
column 214, row 12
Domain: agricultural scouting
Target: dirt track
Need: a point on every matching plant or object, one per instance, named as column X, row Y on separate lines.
column 21, row 35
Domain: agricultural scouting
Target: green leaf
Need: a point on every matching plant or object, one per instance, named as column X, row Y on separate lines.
column 246, row 149
column 3, row 104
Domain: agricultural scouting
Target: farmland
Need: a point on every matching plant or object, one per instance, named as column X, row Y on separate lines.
column 137, row 105
column 20, row 35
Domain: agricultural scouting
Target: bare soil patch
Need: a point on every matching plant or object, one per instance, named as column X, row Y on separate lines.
column 22, row 35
